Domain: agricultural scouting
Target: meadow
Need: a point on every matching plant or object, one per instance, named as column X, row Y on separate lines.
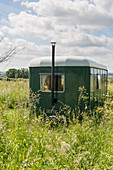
column 29, row 143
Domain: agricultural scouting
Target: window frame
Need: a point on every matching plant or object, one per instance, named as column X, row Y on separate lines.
column 92, row 80
column 49, row 91
column 97, row 72
column 99, row 83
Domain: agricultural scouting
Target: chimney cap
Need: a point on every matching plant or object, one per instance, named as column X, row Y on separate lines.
column 53, row 43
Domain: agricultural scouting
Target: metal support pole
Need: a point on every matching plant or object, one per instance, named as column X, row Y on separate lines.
column 52, row 73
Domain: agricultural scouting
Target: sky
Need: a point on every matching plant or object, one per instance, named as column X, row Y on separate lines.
column 79, row 27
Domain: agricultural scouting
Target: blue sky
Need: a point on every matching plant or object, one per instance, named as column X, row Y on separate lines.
column 8, row 6
column 80, row 28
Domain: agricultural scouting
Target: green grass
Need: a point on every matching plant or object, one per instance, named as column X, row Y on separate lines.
column 27, row 143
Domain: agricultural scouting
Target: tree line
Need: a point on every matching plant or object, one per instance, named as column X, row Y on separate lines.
column 17, row 73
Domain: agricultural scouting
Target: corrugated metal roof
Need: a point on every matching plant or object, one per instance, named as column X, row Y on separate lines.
column 65, row 61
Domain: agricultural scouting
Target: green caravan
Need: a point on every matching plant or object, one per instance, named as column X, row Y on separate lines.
column 70, row 73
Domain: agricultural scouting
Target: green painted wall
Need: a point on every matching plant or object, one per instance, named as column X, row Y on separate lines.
column 74, row 78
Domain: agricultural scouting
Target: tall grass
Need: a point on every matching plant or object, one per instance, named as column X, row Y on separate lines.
column 27, row 143
column 14, row 94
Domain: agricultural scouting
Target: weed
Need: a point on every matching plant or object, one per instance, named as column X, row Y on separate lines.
column 27, row 143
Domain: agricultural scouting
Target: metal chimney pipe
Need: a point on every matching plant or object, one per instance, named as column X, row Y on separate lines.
column 52, row 72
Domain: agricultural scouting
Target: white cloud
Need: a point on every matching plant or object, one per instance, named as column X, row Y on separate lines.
column 5, row 43
column 79, row 12
column 1, row 34
column 28, row 25
column 70, row 23
column 22, row 59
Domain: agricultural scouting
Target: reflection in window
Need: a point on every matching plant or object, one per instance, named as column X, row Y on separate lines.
column 91, row 82
column 91, row 79
column 95, row 79
column 98, row 81
column 45, row 82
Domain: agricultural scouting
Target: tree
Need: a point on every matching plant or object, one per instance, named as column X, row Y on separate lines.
column 20, row 73
column 11, row 73
column 24, row 73
column 13, row 49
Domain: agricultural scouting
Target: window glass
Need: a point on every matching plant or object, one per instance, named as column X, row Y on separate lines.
column 45, row 82
column 106, row 80
column 95, row 80
column 91, row 82
column 99, row 81
column 95, row 71
column 91, row 79
column 91, row 70
column 99, row 71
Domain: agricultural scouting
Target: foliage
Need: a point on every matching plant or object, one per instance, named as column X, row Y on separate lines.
column 82, row 102
column 27, row 143
column 111, row 80
column 17, row 73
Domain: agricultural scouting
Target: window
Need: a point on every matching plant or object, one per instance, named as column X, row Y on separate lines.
column 98, row 81
column 95, row 79
column 91, row 80
column 45, row 82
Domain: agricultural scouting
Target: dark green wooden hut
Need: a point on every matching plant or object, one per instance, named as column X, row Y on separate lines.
column 69, row 74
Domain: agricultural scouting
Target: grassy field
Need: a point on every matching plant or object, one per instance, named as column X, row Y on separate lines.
column 27, row 143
